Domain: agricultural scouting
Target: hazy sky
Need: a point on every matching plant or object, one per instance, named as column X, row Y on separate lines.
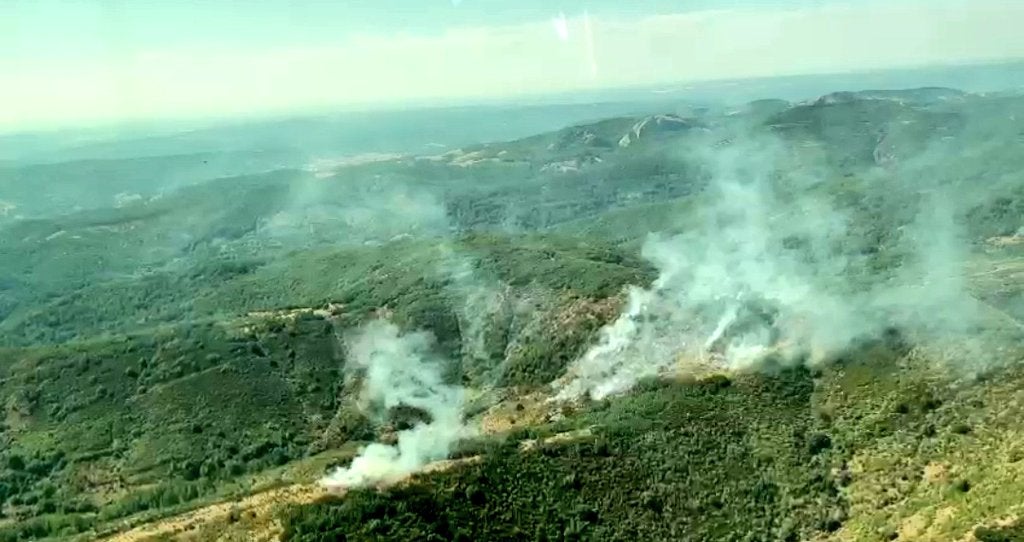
column 65, row 63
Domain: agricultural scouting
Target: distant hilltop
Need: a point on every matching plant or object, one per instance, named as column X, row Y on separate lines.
column 924, row 96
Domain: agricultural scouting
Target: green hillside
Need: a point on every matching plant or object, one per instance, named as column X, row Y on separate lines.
column 190, row 347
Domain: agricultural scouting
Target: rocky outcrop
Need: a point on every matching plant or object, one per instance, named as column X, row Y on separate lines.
column 655, row 124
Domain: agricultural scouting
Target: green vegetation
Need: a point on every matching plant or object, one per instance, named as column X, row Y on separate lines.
column 712, row 460
column 178, row 384
column 862, row 449
column 167, row 351
column 1011, row 533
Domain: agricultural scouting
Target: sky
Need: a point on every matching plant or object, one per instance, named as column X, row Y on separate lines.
column 98, row 61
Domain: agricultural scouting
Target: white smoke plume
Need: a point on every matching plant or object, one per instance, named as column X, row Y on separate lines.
column 480, row 302
column 401, row 371
column 346, row 209
column 765, row 273
column 640, row 343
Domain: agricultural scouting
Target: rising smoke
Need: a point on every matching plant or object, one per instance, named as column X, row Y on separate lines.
column 399, row 370
column 771, row 270
column 347, row 208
